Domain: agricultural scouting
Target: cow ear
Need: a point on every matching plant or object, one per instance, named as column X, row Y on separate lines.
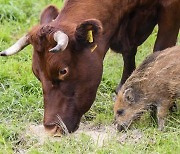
column 49, row 14
column 88, row 31
column 128, row 96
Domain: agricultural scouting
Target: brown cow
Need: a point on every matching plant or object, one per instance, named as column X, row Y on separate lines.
column 70, row 45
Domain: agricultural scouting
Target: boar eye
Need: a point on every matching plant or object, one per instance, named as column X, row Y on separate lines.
column 120, row 112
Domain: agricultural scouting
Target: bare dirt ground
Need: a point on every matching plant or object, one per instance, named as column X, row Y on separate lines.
column 99, row 134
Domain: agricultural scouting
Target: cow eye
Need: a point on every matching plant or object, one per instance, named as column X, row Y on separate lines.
column 63, row 71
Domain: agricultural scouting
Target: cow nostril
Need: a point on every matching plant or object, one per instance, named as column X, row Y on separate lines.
column 120, row 112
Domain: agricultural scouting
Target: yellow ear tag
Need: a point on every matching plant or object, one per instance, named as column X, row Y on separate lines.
column 90, row 36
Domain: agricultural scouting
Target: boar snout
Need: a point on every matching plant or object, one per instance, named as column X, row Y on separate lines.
column 122, row 127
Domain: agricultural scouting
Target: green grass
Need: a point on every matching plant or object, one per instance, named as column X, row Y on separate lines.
column 21, row 99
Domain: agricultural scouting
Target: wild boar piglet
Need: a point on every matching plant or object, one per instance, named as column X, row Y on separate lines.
column 156, row 82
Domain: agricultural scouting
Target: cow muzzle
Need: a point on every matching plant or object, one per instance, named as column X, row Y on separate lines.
column 57, row 128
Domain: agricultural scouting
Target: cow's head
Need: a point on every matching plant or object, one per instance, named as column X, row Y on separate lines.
column 66, row 60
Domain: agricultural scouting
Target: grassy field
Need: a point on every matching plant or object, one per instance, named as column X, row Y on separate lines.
column 21, row 100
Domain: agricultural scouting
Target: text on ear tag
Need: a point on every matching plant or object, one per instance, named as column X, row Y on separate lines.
column 90, row 36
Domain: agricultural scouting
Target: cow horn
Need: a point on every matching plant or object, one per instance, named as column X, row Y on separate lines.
column 18, row 46
column 62, row 41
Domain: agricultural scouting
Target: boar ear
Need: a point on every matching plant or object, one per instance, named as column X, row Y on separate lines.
column 129, row 96
column 88, row 31
column 49, row 14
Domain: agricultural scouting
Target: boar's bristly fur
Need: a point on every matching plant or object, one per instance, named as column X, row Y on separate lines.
column 156, row 82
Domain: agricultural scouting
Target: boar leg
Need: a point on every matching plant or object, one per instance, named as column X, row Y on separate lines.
column 129, row 66
column 153, row 113
column 162, row 111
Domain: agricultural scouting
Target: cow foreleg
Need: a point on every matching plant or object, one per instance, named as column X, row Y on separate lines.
column 129, row 66
column 169, row 24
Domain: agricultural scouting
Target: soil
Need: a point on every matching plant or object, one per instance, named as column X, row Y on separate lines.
column 100, row 134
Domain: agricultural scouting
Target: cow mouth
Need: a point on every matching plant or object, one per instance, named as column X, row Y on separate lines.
column 57, row 128
column 60, row 124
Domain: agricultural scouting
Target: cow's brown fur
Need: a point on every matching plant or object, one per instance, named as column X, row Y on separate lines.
column 118, row 24
column 154, row 83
